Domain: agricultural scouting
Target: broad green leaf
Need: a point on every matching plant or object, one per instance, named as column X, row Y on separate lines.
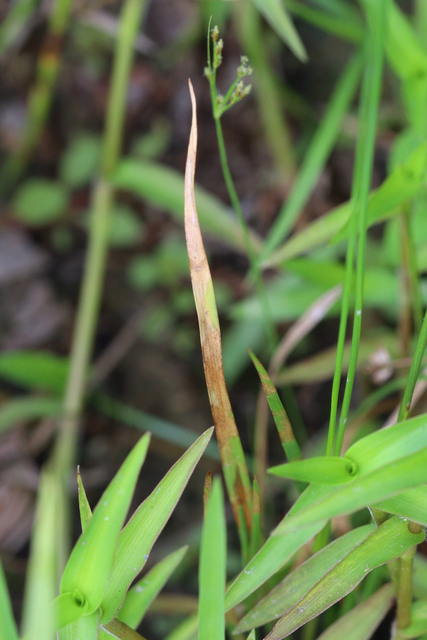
column 38, row 621
column 275, row 552
column 89, row 567
column 361, row 622
column 369, row 489
column 286, row 434
column 164, row 188
column 84, row 506
column 142, row 530
column 126, row 230
column 80, row 160
column 85, row 628
column 212, row 568
column 276, row 15
column 39, row 202
column 411, row 504
column 318, row 470
column 387, row 542
column 34, row 369
column 288, row 592
column 418, row 619
column 8, row 630
column 142, row 594
column 25, row 409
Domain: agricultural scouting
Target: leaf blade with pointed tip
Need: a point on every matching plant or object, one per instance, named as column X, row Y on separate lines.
column 278, row 18
column 318, row 470
column 84, row 506
column 90, row 563
column 142, row 594
column 361, row 622
column 387, row 542
column 296, row 584
column 8, row 629
column 142, row 530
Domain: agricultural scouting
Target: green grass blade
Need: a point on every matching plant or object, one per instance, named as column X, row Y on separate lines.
column 275, row 552
column 387, row 542
column 371, row 91
column 88, row 569
column 411, row 504
column 143, row 529
column 318, row 470
column 212, row 568
column 38, row 622
column 316, row 156
column 84, row 506
column 26, row 409
column 251, row 636
column 280, row 21
column 35, row 370
column 159, row 428
column 414, row 372
column 142, row 594
column 284, row 427
column 296, row 584
column 186, row 630
column 164, row 187
column 8, row 629
column 379, row 485
column 344, row 27
column 361, row 622
column 13, row 24
column 119, row 630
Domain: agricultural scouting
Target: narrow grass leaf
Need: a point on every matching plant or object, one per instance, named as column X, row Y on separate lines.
column 414, row 372
column 286, row 434
column 300, row 581
column 279, row 20
column 186, row 630
column 8, row 629
column 411, row 504
column 88, row 569
column 25, row 409
column 387, row 542
column 361, row 622
column 275, row 552
column 35, row 370
column 159, row 428
column 345, row 27
column 233, row 459
column 316, row 156
column 137, row 538
column 84, row 506
column 12, row 26
column 251, row 636
column 142, row 594
column 164, row 188
column 38, row 621
column 256, row 537
column 369, row 489
column 318, row 470
column 212, row 568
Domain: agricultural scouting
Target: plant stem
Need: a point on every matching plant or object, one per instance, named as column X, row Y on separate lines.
column 371, row 91
column 404, row 590
column 90, row 296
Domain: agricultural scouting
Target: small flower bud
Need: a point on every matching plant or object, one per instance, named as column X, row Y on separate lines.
column 215, row 34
